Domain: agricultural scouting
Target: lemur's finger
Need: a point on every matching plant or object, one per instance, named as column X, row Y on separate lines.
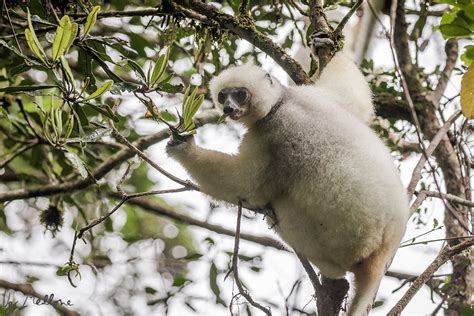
column 321, row 39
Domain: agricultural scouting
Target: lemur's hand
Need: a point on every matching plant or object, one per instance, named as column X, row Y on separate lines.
column 321, row 39
column 176, row 139
column 179, row 144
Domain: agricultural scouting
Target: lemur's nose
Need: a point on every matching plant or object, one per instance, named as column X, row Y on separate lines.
column 227, row 109
column 230, row 106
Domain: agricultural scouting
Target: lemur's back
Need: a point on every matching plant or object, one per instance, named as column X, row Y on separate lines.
column 342, row 182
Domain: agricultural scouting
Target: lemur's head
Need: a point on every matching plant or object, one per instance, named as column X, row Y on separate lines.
column 246, row 93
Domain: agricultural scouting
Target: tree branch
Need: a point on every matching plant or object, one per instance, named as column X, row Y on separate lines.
column 7, row 160
column 141, row 154
column 73, row 185
column 125, row 198
column 416, row 175
column 446, row 254
column 28, row 290
column 159, row 210
column 346, row 18
column 244, row 27
column 452, row 54
column 449, row 197
column 329, row 293
column 433, row 284
column 235, row 269
column 320, row 24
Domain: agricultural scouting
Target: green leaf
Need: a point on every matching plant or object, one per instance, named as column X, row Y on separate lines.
column 377, row 304
column 80, row 114
column 468, row 56
column 179, row 280
column 467, row 93
column 453, row 30
column 77, row 164
column 195, row 106
column 137, row 68
column 213, row 284
column 62, row 38
column 451, row 2
column 150, row 290
column 105, row 110
column 449, row 16
column 185, row 98
column 67, row 70
column 187, row 106
column 4, row 117
column 33, row 42
column 74, row 30
column 159, row 68
column 168, row 87
column 15, row 51
column 91, row 19
column 469, row 11
column 167, row 116
column 100, row 91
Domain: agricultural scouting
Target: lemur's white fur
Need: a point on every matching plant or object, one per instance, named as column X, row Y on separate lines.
column 336, row 193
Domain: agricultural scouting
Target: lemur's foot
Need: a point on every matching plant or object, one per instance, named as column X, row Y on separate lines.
column 321, row 39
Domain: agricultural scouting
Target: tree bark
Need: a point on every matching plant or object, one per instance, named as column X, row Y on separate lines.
column 459, row 291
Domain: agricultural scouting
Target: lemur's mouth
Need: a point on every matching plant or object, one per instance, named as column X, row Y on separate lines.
column 236, row 115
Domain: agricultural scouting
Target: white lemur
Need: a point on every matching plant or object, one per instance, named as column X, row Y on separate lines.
column 309, row 154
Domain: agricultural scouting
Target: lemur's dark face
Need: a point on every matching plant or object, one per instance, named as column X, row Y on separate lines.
column 235, row 101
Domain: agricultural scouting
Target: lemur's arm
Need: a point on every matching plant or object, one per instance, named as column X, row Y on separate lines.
column 219, row 175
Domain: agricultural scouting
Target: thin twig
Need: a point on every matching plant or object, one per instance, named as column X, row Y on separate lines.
column 160, row 210
column 296, row 5
column 449, row 197
column 452, row 53
column 23, row 112
column 446, row 254
column 141, row 154
column 438, row 307
column 416, row 175
column 420, row 235
column 235, row 269
column 125, row 199
column 71, row 184
column 248, row 32
column 346, row 17
column 5, row 8
column 313, row 277
column 406, row 91
column 436, row 240
column 432, row 283
column 7, row 160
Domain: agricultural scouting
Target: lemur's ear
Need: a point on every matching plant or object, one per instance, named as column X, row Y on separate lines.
column 267, row 75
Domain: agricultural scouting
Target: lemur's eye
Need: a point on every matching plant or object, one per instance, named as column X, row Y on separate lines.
column 241, row 96
column 221, row 97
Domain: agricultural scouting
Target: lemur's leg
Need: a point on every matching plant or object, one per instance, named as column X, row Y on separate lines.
column 343, row 78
